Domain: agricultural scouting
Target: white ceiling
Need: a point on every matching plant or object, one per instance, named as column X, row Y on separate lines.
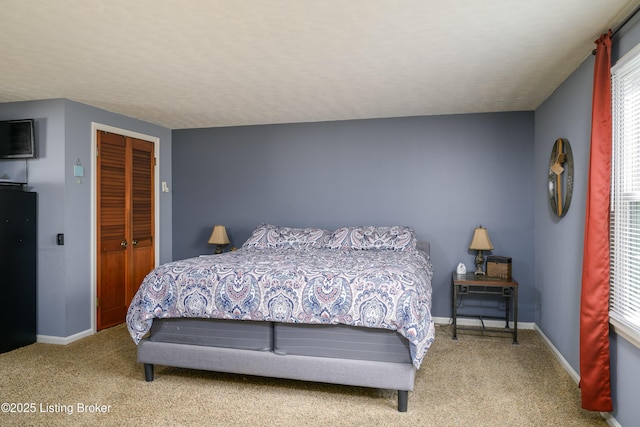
column 205, row 63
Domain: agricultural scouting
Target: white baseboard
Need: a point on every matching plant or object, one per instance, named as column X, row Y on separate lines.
column 559, row 356
column 576, row 376
column 475, row 321
column 610, row 419
column 49, row 339
column 528, row 325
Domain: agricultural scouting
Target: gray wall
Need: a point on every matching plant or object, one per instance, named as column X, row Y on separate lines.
column 443, row 175
column 63, row 131
column 559, row 242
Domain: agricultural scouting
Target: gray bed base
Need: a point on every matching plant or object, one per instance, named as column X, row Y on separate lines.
column 273, row 363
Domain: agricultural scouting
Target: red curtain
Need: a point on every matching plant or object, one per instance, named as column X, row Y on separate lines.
column 595, row 375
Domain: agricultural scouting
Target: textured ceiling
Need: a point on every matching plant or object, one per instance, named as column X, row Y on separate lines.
column 205, row 63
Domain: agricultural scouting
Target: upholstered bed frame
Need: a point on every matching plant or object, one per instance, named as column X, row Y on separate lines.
column 334, row 354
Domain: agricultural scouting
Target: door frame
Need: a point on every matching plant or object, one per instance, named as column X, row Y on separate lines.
column 95, row 127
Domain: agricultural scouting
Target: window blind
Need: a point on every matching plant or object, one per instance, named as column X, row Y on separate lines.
column 624, row 298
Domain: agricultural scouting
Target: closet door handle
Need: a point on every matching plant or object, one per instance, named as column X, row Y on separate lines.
column 123, row 243
column 134, row 242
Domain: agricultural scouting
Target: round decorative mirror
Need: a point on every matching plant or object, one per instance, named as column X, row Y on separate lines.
column 561, row 177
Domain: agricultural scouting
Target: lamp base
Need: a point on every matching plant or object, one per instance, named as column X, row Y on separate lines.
column 479, row 263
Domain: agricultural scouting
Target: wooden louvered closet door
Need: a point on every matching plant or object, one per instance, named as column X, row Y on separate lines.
column 125, row 218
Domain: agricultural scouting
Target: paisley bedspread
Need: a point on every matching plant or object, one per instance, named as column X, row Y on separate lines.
column 371, row 288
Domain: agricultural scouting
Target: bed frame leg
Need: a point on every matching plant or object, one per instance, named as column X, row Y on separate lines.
column 403, row 399
column 148, row 372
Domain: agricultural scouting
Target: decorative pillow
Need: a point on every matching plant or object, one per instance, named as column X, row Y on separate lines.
column 258, row 237
column 395, row 238
column 267, row 236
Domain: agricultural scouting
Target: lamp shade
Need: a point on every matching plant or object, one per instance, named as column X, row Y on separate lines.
column 481, row 240
column 219, row 236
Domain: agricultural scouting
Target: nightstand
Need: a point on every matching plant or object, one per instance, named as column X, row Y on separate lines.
column 470, row 283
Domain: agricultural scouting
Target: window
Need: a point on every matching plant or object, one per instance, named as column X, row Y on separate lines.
column 624, row 303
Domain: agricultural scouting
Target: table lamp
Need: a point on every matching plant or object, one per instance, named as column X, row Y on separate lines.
column 219, row 238
column 480, row 242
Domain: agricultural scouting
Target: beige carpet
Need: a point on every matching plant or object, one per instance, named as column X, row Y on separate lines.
column 476, row 381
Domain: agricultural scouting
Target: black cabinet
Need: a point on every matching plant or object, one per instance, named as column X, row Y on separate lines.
column 17, row 268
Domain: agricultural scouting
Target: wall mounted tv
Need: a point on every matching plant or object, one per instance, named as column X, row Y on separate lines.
column 17, row 139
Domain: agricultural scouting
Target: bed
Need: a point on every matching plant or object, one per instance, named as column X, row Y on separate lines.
column 349, row 306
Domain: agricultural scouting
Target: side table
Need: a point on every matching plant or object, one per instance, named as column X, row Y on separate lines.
column 470, row 283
